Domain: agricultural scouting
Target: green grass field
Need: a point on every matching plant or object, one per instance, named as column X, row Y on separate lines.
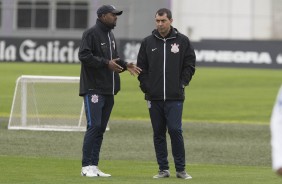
column 216, row 153
column 226, row 132
column 214, row 95
column 50, row 171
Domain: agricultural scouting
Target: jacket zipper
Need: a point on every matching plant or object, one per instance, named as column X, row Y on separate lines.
column 164, row 39
column 111, row 59
column 164, row 67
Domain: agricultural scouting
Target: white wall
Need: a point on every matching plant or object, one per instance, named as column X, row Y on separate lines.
column 223, row 19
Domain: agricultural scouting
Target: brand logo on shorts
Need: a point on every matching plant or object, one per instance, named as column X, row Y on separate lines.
column 94, row 98
column 174, row 48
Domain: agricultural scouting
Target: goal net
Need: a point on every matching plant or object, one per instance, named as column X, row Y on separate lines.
column 47, row 103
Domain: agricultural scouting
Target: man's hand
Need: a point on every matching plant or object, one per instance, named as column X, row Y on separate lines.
column 114, row 66
column 133, row 69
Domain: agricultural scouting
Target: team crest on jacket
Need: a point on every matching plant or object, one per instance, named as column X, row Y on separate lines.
column 174, row 48
column 94, row 98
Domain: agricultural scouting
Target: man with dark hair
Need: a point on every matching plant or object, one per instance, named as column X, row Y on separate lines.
column 99, row 82
column 167, row 60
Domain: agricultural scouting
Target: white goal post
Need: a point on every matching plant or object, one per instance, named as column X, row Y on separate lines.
column 47, row 103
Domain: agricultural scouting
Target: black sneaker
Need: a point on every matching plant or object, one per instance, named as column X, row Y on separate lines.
column 183, row 175
column 162, row 174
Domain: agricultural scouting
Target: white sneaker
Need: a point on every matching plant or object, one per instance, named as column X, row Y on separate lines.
column 98, row 172
column 162, row 174
column 88, row 172
column 183, row 175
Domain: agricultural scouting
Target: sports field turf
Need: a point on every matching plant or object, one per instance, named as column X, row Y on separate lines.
column 226, row 131
column 50, row 171
column 214, row 95
column 216, row 153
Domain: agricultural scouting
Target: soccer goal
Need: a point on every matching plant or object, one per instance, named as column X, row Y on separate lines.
column 47, row 103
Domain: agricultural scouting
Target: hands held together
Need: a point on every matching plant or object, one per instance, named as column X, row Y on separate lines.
column 132, row 68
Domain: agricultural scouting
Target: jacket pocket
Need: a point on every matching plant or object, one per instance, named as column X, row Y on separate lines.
column 144, row 87
column 181, row 89
column 104, row 49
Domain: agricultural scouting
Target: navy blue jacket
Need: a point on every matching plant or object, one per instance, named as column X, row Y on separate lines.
column 167, row 64
column 97, row 48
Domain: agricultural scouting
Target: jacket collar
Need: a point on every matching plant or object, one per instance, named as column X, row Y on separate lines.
column 103, row 26
column 172, row 34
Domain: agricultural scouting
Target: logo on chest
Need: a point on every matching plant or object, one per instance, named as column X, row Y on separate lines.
column 174, row 48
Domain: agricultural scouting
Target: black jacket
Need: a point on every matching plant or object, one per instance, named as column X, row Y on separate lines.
column 167, row 64
column 97, row 48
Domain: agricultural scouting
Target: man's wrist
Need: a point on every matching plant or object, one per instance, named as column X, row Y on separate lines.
column 126, row 64
column 107, row 62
